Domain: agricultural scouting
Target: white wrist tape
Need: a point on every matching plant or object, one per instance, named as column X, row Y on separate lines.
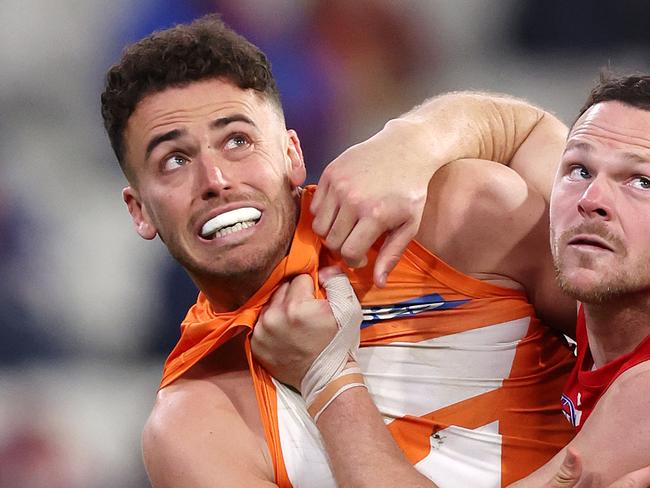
column 330, row 375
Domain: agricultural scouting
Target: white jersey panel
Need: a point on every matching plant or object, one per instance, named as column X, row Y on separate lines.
column 302, row 448
column 464, row 457
column 418, row 378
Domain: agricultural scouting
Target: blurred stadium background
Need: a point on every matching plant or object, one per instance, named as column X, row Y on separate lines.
column 88, row 311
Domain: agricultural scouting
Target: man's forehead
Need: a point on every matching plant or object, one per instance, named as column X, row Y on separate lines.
column 204, row 101
column 198, row 97
column 612, row 123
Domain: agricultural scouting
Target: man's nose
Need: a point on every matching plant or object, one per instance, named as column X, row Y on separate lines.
column 596, row 201
column 214, row 177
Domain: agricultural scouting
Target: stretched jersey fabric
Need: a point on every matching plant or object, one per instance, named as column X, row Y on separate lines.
column 465, row 376
column 586, row 385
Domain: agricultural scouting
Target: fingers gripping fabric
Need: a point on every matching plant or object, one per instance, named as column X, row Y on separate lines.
column 332, row 372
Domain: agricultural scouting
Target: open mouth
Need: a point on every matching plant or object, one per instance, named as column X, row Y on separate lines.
column 230, row 222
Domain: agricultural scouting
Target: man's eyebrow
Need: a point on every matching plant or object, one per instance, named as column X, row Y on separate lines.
column 628, row 156
column 636, row 158
column 176, row 133
column 578, row 146
column 224, row 121
column 167, row 136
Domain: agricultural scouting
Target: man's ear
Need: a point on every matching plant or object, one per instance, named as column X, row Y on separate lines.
column 297, row 170
column 141, row 220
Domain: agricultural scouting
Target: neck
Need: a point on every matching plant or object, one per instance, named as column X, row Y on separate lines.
column 615, row 328
column 230, row 293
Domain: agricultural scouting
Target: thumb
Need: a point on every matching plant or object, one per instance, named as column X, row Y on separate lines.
column 341, row 296
column 569, row 472
column 327, row 273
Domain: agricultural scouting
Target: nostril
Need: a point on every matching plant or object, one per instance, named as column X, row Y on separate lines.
column 208, row 195
column 215, row 192
column 601, row 212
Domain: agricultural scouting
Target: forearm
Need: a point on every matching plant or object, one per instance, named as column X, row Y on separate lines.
column 476, row 125
column 362, row 451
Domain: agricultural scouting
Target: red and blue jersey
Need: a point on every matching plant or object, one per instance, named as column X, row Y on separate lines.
column 587, row 385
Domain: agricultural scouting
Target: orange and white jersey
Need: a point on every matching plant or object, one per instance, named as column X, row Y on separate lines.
column 467, row 379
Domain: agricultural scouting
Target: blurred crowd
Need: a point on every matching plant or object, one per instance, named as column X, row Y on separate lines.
column 87, row 310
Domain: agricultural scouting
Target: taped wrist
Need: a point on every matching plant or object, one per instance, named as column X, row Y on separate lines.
column 335, row 370
column 350, row 377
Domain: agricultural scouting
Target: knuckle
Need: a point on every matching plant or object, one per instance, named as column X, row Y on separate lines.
column 343, row 190
column 270, row 320
column 293, row 312
column 352, row 253
column 353, row 197
column 302, row 287
column 376, row 210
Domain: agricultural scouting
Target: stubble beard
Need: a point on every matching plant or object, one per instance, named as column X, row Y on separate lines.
column 250, row 269
column 611, row 282
column 605, row 289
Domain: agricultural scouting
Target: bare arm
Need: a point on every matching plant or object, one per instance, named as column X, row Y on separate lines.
column 380, row 185
column 196, row 437
column 614, row 440
column 483, row 219
column 362, row 450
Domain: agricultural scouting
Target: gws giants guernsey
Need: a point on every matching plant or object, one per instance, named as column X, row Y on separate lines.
column 466, row 377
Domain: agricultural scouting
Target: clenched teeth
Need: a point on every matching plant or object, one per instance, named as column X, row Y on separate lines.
column 229, row 222
column 239, row 226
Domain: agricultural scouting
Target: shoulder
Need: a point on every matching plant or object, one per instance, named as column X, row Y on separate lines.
column 197, row 436
column 483, row 219
column 631, row 387
column 476, row 212
column 626, row 402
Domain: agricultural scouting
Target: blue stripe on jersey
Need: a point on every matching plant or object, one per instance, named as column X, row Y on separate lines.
column 414, row 306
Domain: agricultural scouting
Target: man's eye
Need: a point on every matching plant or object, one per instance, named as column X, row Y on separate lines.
column 579, row 172
column 174, row 161
column 641, row 182
column 236, row 141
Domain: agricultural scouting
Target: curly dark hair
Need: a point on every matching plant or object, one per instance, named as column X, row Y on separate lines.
column 206, row 48
column 632, row 90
